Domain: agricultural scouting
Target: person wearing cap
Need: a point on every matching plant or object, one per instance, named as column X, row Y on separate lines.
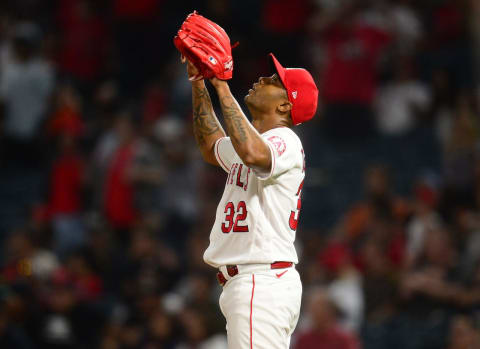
column 252, row 239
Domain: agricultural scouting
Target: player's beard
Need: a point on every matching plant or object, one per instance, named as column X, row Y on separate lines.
column 253, row 106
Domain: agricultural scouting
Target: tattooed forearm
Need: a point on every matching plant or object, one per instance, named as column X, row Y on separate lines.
column 205, row 122
column 236, row 121
column 246, row 140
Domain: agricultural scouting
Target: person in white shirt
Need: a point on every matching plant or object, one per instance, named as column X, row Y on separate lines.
column 401, row 102
column 252, row 239
column 26, row 83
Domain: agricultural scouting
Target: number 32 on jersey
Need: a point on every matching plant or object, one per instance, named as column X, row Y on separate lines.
column 235, row 217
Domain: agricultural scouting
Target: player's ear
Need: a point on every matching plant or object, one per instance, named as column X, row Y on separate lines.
column 284, row 108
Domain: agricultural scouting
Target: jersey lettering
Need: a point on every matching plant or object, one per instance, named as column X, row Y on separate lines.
column 242, row 175
column 234, row 168
column 239, row 183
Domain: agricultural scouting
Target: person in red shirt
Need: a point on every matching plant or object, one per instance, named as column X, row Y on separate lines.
column 65, row 197
column 66, row 181
column 84, row 40
column 349, row 78
column 119, row 206
column 325, row 331
column 285, row 32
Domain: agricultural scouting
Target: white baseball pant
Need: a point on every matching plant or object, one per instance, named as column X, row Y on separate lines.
column 261, row 306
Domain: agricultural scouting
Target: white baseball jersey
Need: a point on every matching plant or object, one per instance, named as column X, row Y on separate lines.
column 257, row 216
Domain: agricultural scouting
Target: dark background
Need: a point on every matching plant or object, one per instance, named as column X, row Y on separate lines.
column 106, row 206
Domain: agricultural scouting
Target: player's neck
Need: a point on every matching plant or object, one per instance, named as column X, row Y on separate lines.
column 265, row 122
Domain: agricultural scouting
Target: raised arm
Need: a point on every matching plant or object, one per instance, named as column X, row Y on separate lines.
column 247, row 142
column 206, row 127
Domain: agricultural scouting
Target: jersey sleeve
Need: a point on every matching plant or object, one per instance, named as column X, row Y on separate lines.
column 285, row 150
column 224, row 153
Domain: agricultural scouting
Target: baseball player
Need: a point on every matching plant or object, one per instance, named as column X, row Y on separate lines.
column 252, row 239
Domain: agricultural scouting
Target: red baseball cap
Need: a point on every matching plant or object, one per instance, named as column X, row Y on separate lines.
column 301, row 90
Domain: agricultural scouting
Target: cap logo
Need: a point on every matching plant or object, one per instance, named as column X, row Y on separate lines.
column 294, row 94
column 212, row 60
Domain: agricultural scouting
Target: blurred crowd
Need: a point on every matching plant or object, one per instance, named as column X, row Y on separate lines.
column 106, row 206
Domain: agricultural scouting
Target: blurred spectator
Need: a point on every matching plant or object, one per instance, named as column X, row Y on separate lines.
column 84, row 41
column 154, row 104
column 402, row 102
column 131, row 168
column 160, row 331
column 380, row 203
column 67, row 115
column 197, row 334
column 345, row 284
column 65, row 201
column 285, row 32
column 105, row 103
column 183, row 174
column 25, row 260
column 198, row 289
column 66, row 321
column 25, row 87
column 151, row 267
column 106, row 257
column 443, row 103
column 11, row 336
column 149, row 176
column 430, row 276
column 274, row 16
column 468, row 297
column 380, row 288
column 405, row 25
column 463, row 334
column 325, row 331
column 142, row 10
column 88, row 286
column 119, row 191
column 468, row 241
column 460, row 150
column 350, row 76
column 424, row 219
column 448, row 40
column 130, row 336
column 136, row 36
column 428, row 289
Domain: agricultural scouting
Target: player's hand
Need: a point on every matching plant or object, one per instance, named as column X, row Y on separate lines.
column 192, row 71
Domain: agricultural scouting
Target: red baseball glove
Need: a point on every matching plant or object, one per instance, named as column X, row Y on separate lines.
column 207, row 46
